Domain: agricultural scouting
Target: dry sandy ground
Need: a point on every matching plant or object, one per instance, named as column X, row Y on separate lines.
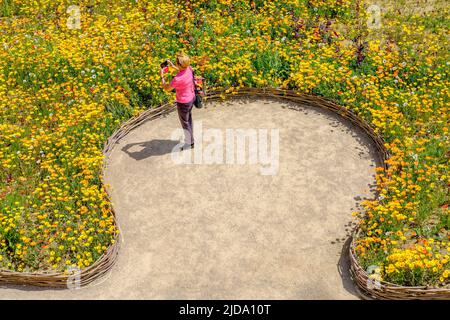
column 222, row 231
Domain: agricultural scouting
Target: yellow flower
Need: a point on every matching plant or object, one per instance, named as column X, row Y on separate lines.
column 390, row 268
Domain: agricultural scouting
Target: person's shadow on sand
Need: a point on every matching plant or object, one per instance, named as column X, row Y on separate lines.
column 150, row 148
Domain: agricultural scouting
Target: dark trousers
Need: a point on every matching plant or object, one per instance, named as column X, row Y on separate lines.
column 185, row 116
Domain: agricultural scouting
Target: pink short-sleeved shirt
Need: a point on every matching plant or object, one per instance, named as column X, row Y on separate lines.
column 184, row 86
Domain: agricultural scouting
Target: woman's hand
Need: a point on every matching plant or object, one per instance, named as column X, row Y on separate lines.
column 166, row 86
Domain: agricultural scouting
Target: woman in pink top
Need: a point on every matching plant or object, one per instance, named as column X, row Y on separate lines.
column 183, row 83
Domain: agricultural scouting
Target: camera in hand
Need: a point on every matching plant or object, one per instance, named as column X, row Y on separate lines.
column 165, row 66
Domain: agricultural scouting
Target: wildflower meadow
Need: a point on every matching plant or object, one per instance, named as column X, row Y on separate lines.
column 72, row 72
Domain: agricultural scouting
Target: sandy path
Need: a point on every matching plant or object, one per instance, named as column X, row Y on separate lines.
column 226, row 231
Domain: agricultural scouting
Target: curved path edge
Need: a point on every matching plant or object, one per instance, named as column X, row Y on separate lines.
column 368, row 288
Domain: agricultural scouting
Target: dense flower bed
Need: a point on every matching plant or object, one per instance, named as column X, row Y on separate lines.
column 63, row 90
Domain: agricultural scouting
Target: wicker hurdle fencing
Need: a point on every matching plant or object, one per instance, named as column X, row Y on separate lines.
column 367, row 287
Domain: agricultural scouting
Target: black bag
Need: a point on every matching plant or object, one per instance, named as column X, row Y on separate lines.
column 198, row 101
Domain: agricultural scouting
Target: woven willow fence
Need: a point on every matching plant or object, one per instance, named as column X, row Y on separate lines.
column 369, row 288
